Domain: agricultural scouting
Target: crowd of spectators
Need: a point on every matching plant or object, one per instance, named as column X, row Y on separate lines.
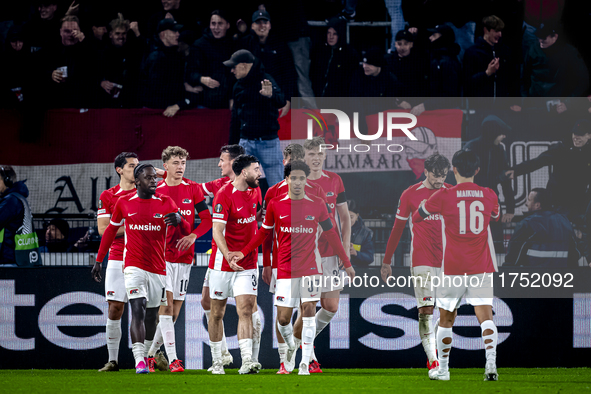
column 105, row 55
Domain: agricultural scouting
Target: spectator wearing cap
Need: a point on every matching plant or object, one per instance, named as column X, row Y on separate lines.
column 121, row 63
column 182, row 11
column 410, row 69
column 257, row 100
column 445, row 71
column 554, row 68
column 56, row 237
column 493, row 165
column 42, row 29
column 373, row 79
column 16, row 66
column 489, row 70
column 273, row 53
column 362, row 248
column 205, row 65
column 333, row 62
column 544, row 238
column 163, row 71
column 98, row 37
column 571, row 170
column 71, row 68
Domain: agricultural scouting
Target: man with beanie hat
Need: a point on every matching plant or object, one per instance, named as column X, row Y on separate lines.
column 373, row 80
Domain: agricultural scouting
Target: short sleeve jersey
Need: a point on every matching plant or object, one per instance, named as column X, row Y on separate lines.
column 211, row 188
column 296, row 223
column 280, row 190
column 237, row 210
column 426, row 239
column 145, row 230
column 467, row 243
column 185, row 196
column 106, row 205
column 332, row 184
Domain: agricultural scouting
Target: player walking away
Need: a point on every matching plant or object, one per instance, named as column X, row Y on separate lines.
column 332, row 184
column 115, row 292
column 235, row 209
column 228, row 154
column 146, row 215
column 468, row 253
column 296, row 218
column 426, row 248
column 188, row 196
column 290, row 153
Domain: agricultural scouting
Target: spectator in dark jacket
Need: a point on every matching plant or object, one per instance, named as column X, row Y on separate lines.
column 373, row 79
column 15, row 215
column 43, row 29
column 333, row 62
column 444, row 82
column 544, row 238
column 554, row 68
column 163, row 72
column 257, row 100
column 16, row 67
column 493, row 165
column 72, row 69
column 362, row 249
column 410, row 69
column 273, row 53
column 121, row 63
column 571, row 171
column 56, row 237
column 205, row 65
column 183, row 12
column 489, row 70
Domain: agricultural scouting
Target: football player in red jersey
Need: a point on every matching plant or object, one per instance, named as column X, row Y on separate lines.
column 115, row 292
column 147, row 216
column 235, row 208
column 180, row 251
column 297, row 218
column 227, row 155
column 426, row 248
column 333, row 280
column 468, row 255
column 290, row 153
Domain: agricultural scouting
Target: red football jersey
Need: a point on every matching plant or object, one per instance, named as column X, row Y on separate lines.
column 185, row 195
column 425, row 245
column 211, row 188
column 238, row 211
column 296, row 223
column 467, row 241
column 145, row 230
column 106, row 205
column 332, row 184
column 280, row 190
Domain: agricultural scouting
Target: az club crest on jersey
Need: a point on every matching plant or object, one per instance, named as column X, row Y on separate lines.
column 329, row 194
column 187, row 201
column 158, row 215
column 309, row 217
column 218, row 208
column 254, row 206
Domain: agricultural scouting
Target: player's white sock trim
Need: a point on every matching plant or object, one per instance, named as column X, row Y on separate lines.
column 256, row 335
column 167, row 327
column 113, row 338
column 427, row 336
column 282, row 349
column 147, row 346
column 308, row 334
column 245, row 348
column 139, row 352
column 287, row 333
column 323, row 317
column 216, row 350
column 491, row 354
column 157, row 343
column 443, row 333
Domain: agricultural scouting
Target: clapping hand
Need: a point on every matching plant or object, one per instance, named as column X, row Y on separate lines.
column 266, row 88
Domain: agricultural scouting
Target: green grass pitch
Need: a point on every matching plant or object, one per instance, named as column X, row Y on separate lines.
column 516, row 380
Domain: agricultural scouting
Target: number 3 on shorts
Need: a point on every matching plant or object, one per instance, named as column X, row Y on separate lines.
column 254, row 281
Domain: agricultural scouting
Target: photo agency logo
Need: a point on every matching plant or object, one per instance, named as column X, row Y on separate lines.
column 394, row 122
